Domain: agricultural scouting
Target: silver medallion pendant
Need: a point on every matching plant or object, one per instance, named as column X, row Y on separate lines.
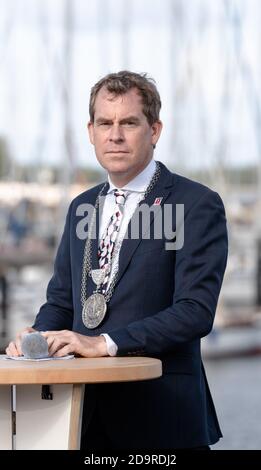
column 94, row 310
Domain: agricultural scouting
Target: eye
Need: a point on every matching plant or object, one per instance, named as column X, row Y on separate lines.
column 130, row 124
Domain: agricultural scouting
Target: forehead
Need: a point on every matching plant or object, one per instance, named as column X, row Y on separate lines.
column 109, row 103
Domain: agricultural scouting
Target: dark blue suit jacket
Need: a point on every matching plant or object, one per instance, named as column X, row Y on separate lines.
column 164, row 302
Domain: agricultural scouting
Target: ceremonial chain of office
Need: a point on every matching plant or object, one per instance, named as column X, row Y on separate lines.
column 94, row 307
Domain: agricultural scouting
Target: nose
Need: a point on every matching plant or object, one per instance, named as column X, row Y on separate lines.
column 116, row 134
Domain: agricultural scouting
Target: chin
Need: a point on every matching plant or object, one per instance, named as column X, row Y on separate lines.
column 117, row 166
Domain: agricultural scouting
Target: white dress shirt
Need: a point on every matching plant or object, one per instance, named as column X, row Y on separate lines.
column 135, row 193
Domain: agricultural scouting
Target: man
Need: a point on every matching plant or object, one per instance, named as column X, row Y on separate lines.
column 116, row 295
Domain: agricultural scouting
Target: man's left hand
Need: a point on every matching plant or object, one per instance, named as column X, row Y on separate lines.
column 61, row 343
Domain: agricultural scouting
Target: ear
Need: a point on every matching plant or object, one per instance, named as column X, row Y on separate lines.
column 156, row 129
column 91, row 131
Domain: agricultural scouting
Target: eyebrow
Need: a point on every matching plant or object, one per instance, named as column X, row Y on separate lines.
column 134, row 119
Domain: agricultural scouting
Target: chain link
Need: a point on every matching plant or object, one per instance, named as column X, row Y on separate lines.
column 87, row 256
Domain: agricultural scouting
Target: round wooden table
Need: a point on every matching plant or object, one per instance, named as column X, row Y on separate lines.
column 30, row 422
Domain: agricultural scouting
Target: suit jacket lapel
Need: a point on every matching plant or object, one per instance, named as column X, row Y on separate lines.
column 95, row 240
column 162, row 189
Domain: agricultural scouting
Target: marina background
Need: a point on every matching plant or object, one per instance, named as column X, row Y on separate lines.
column 205, row 58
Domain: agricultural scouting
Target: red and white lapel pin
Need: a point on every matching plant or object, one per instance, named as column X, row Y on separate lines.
column 157, row 201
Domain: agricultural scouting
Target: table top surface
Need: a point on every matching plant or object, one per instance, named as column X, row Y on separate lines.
column 79, row 370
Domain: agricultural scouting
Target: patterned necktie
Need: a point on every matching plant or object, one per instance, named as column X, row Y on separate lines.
column 108, row 241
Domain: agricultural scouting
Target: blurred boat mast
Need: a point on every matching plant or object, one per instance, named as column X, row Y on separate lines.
column 67, row 166
column 235, row 17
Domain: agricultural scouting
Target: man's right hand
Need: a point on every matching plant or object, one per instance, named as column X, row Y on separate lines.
column 14, row 348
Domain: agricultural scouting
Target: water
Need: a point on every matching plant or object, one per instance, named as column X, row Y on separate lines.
column 236, row 389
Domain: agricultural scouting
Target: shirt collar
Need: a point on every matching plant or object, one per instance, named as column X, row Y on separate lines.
column 140, row 182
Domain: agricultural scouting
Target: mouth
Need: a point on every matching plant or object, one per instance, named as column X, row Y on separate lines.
column 116, row 151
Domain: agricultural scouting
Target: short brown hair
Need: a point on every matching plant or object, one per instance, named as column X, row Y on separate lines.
column 121, row 82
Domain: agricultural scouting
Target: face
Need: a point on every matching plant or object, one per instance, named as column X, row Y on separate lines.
column 122, row 137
